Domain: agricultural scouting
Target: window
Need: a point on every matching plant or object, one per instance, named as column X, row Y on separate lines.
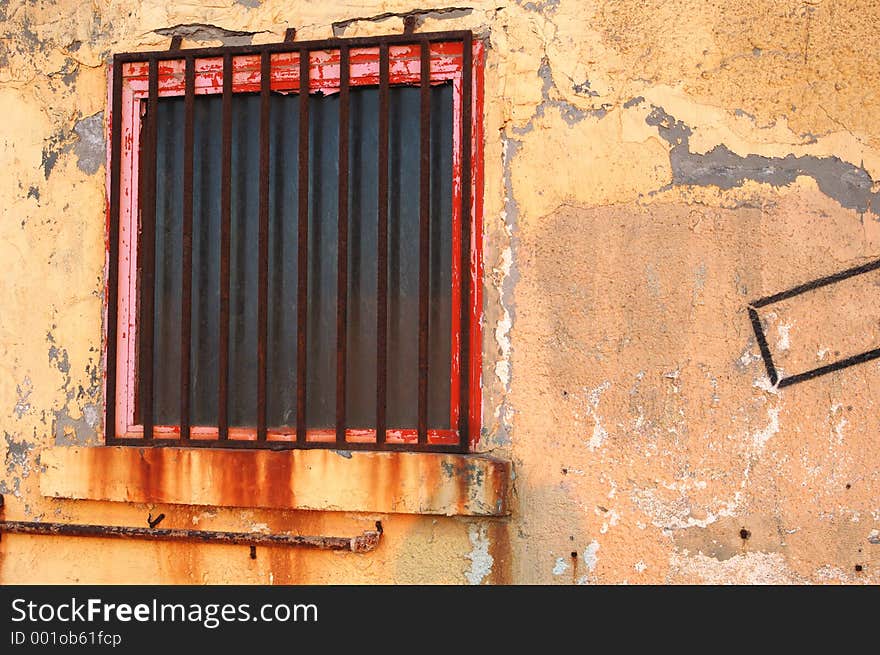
column 261, row 293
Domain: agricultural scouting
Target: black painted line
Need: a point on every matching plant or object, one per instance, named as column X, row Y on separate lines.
column 816, row 284
column 762, row 344
column 830, row 368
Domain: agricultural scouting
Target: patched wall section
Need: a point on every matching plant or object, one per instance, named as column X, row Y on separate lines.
column 652, row 169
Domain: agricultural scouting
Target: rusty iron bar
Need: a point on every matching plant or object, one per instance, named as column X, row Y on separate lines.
column 113, row 245
column 424, row 234
column 186, row 265
column 464, row 317
column 362, row 543
column 263, row 257
column 342, row 247
column 302, row 260
column 147, row 258
column 225, row 221
column 382, row 250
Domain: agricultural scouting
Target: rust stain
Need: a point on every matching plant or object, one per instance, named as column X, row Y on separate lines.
column 378, row 482
column 500, row 549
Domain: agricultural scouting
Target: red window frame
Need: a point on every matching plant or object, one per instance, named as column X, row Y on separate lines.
column 446, row 64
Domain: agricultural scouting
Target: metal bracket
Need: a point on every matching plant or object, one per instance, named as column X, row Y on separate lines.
column 362, row 543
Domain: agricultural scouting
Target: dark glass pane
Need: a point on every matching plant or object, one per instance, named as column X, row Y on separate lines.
column 206, row 261
column 323, row 241
column 283, row 253
column 362, row 236
column 283, row 257
column 167, row 290
column 440, row 321
column 403, row 259
column 243, row 261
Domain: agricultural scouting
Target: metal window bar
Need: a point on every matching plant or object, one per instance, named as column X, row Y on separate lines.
column 225, row 245
column 424, row 232
column 302, row 243
column 342, row 247
column 464, row 354
column 147, row 203
column 382, row 246
column 147, row 257
column 186, row 282
column 263, row 257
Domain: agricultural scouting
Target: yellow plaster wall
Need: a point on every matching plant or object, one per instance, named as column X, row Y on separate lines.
column 651, row 168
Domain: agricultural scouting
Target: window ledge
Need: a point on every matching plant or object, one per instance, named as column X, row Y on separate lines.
column 328, row 480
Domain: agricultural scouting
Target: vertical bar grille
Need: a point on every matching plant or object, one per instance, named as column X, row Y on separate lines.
column 147, row 397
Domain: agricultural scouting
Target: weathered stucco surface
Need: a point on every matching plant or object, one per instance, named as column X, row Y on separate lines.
column 652, row 167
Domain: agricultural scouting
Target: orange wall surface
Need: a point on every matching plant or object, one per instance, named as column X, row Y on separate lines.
column 652, row 169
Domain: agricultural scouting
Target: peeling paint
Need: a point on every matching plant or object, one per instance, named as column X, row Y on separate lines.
column 506, row 276
column 747, row 568
column 591, row 560
column 23, row 392
column 851, row 186
column 207, row 32
column 762, row 436
column 17, row 454
column 570, row 113
column 678, row 512
column 561, row 566
column 90, row 149
column 784, row 341
column 71, row 431
column 339, row 27
column 599, row 432
column 480, row 557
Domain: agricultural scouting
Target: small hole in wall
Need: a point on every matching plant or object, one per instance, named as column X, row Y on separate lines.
column 574, row 555
column 253, row 552
column 744, row 534
column 859, row 568
column 564, row 471
column 848, row 485
column 564, row 392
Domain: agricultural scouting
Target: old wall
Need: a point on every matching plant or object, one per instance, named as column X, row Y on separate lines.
column 652, row 167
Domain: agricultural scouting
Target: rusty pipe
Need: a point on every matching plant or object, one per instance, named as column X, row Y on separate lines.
column 362, row 543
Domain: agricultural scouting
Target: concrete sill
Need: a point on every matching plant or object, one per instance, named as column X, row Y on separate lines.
column 326, row 480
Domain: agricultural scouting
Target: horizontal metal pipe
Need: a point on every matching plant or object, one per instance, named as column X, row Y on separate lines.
column 362, row 543
column 365, row 41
